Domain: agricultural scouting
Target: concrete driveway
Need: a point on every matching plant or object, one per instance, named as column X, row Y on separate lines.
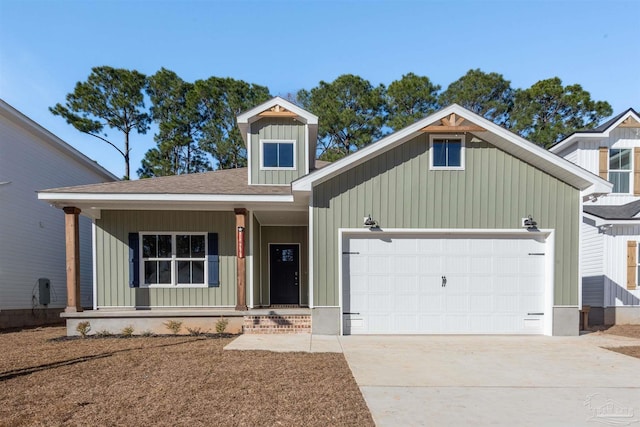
column 496, row 380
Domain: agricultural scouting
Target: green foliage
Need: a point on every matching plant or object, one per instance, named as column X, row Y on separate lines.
column 351, row 111
column 111, row 97
column 547, row 111
column 410, row 99
column 221, row 325
column 176, row 152
column 127, row 331
column 174, row 326
column 488, row 95
column 83, row 328
column 217, row 102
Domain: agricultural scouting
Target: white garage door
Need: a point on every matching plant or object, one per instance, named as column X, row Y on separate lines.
column 460, row 284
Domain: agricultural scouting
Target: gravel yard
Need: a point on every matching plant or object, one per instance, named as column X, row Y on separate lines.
column 181, row 380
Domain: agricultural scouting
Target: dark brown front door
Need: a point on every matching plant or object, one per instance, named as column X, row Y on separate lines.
column 284, row 276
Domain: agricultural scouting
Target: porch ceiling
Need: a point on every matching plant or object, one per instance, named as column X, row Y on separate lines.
column 282, row 217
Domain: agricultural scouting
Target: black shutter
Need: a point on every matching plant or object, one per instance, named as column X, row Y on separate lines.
column 134, row 260
column 213, row 258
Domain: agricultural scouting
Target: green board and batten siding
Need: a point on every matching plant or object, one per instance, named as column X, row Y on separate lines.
column 112, row 231
column 397, row 188
column 277, row 129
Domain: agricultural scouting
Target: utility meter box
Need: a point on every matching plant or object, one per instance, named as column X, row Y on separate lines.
column 44, row 289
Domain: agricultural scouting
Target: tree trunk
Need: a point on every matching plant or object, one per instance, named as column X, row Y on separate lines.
column 126, row 156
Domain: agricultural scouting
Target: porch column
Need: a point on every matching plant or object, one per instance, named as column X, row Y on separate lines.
column 241, row 221
column 72, row 239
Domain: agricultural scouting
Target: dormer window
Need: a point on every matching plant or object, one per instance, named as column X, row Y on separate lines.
column 277, row 154
column 620, row 169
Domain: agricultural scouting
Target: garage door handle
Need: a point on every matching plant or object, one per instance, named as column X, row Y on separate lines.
column 444, row 281
column 535, row 314
column 348, row 312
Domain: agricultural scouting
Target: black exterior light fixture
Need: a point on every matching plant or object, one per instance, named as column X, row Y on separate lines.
column 530, row 224
column 371, row 223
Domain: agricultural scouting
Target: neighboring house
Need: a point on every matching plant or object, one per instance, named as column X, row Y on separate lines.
column 611, row 224
column 429, row 230
column 31, row 248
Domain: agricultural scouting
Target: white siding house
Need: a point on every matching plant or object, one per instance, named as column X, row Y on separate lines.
column 611, row 224
column 32, row 158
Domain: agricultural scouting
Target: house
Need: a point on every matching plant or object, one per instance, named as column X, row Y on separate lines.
column 610, row 228
column 451, row 225
column 32, row 253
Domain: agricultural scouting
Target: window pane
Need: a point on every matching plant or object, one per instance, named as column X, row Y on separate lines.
column 439, row 153
column 149, row 246
column 197, row 246
column 625, row 160
column 164, row 246
column 150, row 272
column 620, row 181
column 184, row 272
column 197, row 271
column 286, row 155
column 164, row 272
column 183, row 246
column 614, row 159
column 270, row 155
column 453, row 153
column 620, row 159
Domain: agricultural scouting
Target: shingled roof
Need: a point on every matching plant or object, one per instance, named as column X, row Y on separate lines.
column 227, row 181
column 628, row 211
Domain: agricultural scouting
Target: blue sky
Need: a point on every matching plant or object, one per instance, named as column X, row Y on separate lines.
column 47, row 46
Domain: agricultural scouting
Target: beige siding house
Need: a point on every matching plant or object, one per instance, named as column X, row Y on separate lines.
column 451, row 225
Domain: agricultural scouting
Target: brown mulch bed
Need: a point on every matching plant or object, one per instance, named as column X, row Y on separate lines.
column 181, row 380
column 632, row 331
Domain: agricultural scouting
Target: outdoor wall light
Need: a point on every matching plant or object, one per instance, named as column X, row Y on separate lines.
column 529, row 224
column 370, row 222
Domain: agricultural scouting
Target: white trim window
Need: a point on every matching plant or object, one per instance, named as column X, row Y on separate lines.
column 277, row 154
column 173, row 259
column 446, row 152
column 620, row 169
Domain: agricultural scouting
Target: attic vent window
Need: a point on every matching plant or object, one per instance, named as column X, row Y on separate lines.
column 446, row 153
column 278, row 154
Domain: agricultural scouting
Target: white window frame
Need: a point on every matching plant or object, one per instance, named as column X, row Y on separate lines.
column 629, row 171
column 278, row 141
column 460, row 138
column 173, row 260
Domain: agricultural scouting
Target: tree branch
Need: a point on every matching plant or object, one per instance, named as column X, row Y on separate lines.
column 108, row 142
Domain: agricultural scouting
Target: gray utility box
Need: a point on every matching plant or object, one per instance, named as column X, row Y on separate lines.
column 44, row 291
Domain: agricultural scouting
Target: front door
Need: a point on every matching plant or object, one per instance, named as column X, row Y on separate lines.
column 284, row 274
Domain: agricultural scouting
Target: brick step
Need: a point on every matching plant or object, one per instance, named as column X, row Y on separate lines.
column 277, row 324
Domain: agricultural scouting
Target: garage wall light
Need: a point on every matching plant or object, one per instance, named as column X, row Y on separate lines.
column 529, row 224
column 370, row 222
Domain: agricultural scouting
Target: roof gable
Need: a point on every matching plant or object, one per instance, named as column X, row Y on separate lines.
column 454, row 119
column 627, row 119
column 275, row 107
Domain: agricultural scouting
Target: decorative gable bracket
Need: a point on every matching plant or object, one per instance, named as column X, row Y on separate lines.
column 452, row 124
column 277, row 111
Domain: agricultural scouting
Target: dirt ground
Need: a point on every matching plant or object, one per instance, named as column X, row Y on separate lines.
column 632, row 331
column 167, row 381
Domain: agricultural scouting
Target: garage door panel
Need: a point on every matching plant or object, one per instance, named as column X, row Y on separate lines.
column 491, row 285
column 377, row 264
